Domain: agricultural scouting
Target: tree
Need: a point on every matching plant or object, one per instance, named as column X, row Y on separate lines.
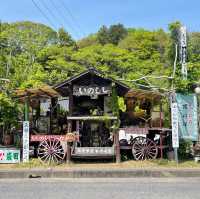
column 88, row 41
column 65, row 39
column 103, row 35
column 116, row 33
column 112, row 35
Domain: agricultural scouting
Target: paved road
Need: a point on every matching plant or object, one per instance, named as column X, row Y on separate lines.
column 141, row 188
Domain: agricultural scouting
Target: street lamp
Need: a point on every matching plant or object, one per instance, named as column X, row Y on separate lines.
column 197, row 90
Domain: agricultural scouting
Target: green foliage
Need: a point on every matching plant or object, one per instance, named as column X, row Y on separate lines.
column 113, row 34
column 184, row 150
column 114, row 102
column 65, row 39
column 122, row 105
column 8, row 112
column 103, row 35
column 32, row 54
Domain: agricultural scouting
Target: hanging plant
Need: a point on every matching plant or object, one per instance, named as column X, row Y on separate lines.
column 115, row 109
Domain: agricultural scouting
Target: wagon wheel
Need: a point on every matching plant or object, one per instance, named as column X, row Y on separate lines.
column 51, row 151
column 144, row 148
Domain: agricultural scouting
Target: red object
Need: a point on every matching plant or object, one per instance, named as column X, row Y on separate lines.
column 40, row 138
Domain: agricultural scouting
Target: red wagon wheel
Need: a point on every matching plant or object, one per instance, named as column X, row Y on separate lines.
column 51, row 151
column 144, row 148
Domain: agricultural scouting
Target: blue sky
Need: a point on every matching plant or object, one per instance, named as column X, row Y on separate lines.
column 82, row 17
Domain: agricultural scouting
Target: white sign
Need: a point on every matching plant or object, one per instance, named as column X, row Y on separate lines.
column 174, row 118
column 9, row 155
column 91, row 90
column 25, row 141
column 183, row 50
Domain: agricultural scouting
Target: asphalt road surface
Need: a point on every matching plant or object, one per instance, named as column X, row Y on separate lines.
column 135, row 188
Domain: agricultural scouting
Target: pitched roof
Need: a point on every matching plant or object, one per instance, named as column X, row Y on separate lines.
column 91, row 71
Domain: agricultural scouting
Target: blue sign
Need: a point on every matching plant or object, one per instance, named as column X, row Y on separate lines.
column 187, row 114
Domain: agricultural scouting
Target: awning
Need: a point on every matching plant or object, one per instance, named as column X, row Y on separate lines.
column 144, row 94
column 43, row 92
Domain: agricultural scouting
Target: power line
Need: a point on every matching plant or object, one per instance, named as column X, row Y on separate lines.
column 47, row 18
column 72, row 16
column 50, row 12
column 64, row 18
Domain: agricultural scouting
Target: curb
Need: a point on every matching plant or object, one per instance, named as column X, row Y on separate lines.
column 93, row 173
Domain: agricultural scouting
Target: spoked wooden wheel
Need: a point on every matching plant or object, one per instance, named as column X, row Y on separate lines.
column 51, row 151
column 144, row 148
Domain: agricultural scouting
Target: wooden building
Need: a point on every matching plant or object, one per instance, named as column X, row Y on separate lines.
column 90, row 113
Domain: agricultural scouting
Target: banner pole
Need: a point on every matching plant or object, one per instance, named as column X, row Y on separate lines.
column 176, row 154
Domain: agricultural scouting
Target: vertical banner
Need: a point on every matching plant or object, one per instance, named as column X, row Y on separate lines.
column 25, row 141
column 187, row 113
column 174, row 117
column 183, row 50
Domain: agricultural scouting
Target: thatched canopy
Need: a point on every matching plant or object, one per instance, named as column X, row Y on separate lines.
column 41, row 92
column 144, row 94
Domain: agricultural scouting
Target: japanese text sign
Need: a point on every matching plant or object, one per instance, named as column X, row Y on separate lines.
column 9, row 155
column 25, row 141
column 187, row 114
column 174, row 118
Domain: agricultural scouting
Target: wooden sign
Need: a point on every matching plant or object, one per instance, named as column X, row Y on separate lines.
column 135, row 130
column 94, row 151
column 91, row 90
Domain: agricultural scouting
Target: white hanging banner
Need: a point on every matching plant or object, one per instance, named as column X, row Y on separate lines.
column 25, row 141
column 183, row 50
column 174, row 118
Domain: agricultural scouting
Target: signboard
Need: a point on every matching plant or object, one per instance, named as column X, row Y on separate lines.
column 70, row 137
column 187, row 114
column 9, row 156
column 25, row 141
column 135, row 130
column 174, row 118
column 94, row 151
column 91, row 90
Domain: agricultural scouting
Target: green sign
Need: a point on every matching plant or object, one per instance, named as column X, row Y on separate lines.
column 9, row 155
column 187, row 114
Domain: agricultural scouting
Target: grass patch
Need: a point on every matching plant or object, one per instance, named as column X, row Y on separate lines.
column 158, row 163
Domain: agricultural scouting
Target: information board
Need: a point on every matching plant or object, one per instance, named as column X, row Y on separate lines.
column 9, row 155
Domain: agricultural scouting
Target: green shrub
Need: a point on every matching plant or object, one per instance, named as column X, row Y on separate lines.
column 184, row 151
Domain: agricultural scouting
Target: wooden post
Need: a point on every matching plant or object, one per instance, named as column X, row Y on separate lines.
column 68, row 160
column 69, row 124
column 26, row 109
column 117, row 147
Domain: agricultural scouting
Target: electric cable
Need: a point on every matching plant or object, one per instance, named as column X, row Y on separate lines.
column 72, row 16
column 51, row 12
column 44, row 15
column 64, row 18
